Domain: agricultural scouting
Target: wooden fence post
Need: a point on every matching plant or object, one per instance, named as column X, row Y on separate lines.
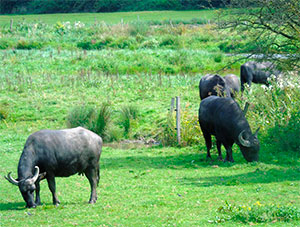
column 172, row 105
column 178, row 118
column 11, row 25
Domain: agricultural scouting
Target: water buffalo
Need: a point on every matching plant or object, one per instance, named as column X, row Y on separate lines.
column 223, row 118
column 233, row 83
column 257, row 73
column 57, row 153
column 213, row 85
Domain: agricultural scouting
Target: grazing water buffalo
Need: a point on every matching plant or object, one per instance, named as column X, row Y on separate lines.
column 57, row 153
column 233, row 83
column 223, row 118
column 257, row 73
column 213, row 85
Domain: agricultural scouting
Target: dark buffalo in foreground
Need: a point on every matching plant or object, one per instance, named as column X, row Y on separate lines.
column 223, row 118
column 57, row 153
column 257, row 72
column 233, row 83
column 213, row 85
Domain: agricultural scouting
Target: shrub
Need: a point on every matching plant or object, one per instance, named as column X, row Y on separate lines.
column 218, row 57
column 28, row 45
column 3, row 112
column 128, row 113
column 5, row 44
column 169, row 41
column 101, row 121
column 138, row 27
column 80, row 116
column 86, row 45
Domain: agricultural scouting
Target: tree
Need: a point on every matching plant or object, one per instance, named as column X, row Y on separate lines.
column 272, row 27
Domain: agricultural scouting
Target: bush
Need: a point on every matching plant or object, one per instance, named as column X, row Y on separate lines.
column 5, row 44
column 80, row 116
column 138, row 27
column 128, row 114
column 100, row 123
column 28, row 45
column 86, row 45
column 3, row 112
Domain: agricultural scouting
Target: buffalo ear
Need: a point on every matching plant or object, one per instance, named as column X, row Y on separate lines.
column 255, row 134
column 42, row 176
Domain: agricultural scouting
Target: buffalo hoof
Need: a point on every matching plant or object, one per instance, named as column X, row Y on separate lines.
column 92, row 201
column 56, row 203
column 208, row 159
column 31, row 206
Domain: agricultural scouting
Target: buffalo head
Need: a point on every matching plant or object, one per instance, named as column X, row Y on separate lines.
column 26, row 187
column 249, row 146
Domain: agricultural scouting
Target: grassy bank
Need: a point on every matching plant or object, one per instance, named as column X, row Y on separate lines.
column 55, row 75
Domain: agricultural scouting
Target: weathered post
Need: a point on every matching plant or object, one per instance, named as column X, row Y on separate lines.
column 178, row 118
column 172, row 105
column 11, row 25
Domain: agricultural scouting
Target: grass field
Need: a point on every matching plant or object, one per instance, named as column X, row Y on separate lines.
column 47, row 71
column 110, row 18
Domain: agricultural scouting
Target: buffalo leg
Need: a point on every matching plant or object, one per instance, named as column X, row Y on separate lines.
column 207, row 138
column 37, row 193
column 51, row 185
column 92, row 175
column 219, row 150
column 229, row 157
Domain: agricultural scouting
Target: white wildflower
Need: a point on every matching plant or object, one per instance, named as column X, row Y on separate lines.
column 78, row 24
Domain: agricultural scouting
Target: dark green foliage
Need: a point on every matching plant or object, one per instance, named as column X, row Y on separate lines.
column 72, row 6
column 285, row 137
column 5, row 44
column 28, row 45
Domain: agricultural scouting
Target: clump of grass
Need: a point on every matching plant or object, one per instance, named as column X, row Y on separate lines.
column 28, row 45
column 128, row 114
column 3, row 112
column 257, row 213
column 113, row 133
column 138, row 27
column 101, row 120
column 80, row 116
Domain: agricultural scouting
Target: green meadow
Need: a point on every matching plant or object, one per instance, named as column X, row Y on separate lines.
column 56, row 73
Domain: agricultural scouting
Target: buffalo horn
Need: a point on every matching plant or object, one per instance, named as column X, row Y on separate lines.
column 246, row 108
column 11, row 180
column 36, row 174
column 245, row 143
column 255, row 134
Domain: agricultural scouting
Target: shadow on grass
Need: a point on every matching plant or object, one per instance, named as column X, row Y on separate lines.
column 161, row 160
column 12, row 206
column 141, row 161
column 44, row 206
column 257, row 176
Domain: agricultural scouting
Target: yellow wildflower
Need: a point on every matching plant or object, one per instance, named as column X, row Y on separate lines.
column 257, row 203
